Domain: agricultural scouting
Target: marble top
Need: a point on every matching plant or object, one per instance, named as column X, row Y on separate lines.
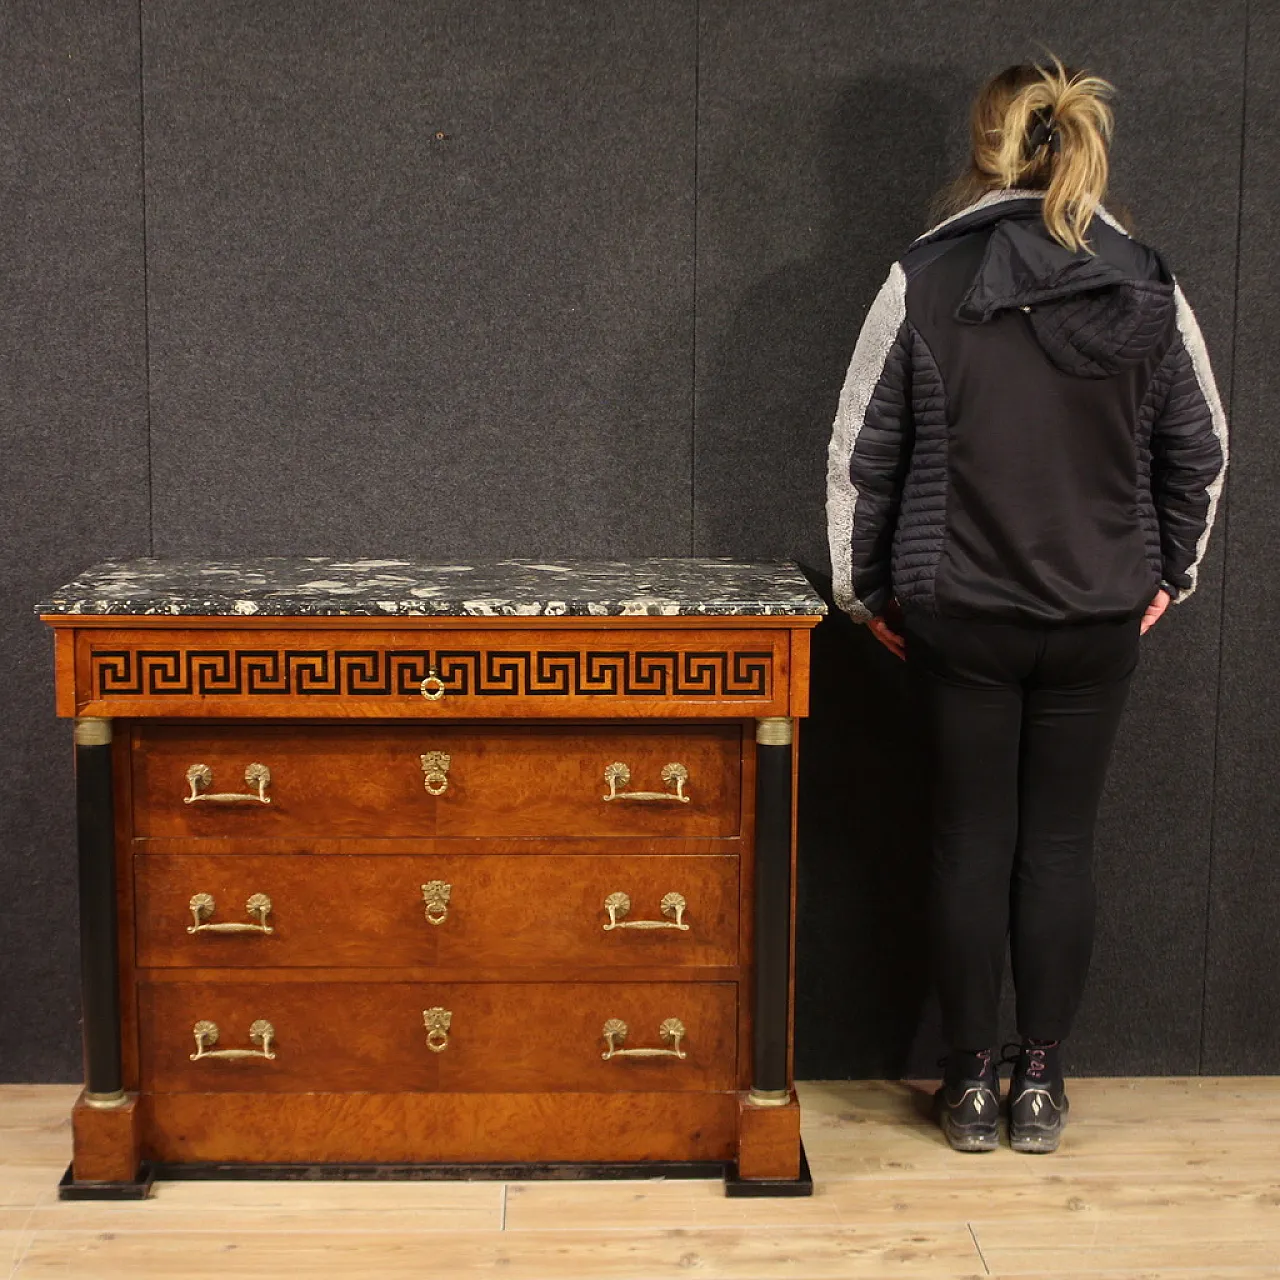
column 322, row 585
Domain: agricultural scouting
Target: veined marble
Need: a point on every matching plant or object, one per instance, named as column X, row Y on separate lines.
column 296, row 586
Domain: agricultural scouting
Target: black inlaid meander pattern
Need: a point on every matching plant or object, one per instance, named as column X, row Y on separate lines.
column 395, row 672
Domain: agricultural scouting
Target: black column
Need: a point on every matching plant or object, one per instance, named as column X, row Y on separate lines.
column 772, row 908
column 99, row 980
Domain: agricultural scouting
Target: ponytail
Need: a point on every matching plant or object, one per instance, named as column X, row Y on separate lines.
column 1043, row 128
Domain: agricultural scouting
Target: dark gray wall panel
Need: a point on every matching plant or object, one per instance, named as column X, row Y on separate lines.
column 824, row 127
column 1242, row 991
column 73, row 481
column 368, row 339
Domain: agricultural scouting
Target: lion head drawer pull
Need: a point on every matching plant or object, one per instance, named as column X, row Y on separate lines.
column 617, row 774
column 672, row 906
column 435, row 898
column 437, row 1020
column 671, row 1032
column 435, row 769
column 200, row 776
column 206, row 1034
column 202, row 907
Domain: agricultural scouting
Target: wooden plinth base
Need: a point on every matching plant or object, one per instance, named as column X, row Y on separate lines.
column 768, row 1140
column 105, row 1142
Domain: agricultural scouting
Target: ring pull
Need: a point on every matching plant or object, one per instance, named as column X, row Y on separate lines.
column 671, row 1032
column 435, row 767
column 617, row 774
column 432, row 686
column 435, row 897
column 200, row 776
column 202, row 907
column 437, row 1020
column 206, row 1034
column 672, row 906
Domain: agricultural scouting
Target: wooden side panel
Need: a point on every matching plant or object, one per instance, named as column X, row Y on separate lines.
column 484, row 910
column 501, row 1037
column 307, row 1128
column 370, row 780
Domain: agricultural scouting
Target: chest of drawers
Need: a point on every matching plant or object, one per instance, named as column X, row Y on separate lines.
column 398, row 867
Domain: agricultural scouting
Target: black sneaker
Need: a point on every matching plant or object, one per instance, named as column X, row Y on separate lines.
column 1038, row 1103
column 967, row 1103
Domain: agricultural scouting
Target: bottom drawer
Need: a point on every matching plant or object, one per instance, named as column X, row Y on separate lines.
column 422, row 1128
column 388, row 1036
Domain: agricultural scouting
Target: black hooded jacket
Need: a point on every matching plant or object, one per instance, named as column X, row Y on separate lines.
column 1025, row 433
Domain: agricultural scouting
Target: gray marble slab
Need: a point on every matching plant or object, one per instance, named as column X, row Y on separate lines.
column 321, row 585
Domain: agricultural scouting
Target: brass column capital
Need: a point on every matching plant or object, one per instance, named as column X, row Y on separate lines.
column 775, row 731
column 92, row 731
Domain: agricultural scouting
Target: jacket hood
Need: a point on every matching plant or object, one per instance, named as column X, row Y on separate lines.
column 1091, row 314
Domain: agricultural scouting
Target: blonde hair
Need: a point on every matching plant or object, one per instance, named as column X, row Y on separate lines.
column 1002, row 128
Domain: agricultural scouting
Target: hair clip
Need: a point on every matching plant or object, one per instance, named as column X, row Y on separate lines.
column 1044, row 130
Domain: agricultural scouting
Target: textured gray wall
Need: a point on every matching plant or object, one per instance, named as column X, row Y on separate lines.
column 256, row 304
column 73, row 454
column 1242, row 990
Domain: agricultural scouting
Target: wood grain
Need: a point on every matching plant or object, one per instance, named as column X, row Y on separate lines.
column 503, row 780
column 535, row 1037
column 105, row 1141
column 768, row 1140
column 306, row 1128
column 502, row 910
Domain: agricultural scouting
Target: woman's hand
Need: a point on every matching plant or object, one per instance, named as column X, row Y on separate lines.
column 887, row 628
column 1154, row 611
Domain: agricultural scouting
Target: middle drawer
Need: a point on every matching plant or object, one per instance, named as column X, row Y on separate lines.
column 455, row 910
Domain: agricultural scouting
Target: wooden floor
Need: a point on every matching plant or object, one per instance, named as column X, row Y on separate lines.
column 1156, row 1178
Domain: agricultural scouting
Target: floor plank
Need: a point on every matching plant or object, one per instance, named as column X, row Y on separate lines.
column 867, row 1202
column 736, row 1254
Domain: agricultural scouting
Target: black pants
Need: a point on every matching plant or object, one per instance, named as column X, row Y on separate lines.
column 1020, row 723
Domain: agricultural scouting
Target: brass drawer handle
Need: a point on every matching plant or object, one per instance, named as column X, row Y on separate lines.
column 617, row 774
column 433, row 686
column 202, row 907
column 672, row 906
column 200, row 776
column 435, row 897
column 206, row 1034
column 435, row 768
column 671, row 1031
column 437, row 1020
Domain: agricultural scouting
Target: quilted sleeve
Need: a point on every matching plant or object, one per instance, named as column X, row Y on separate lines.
column 868, row 454
column 1188, row 455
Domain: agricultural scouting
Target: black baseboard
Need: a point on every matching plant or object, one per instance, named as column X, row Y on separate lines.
column 801, row 1186
column 148, row 1173
column 138, row 1189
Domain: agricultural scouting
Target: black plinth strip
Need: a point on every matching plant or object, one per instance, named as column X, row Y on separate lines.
column 462, row 1172
column 801, row 1186
column 138, row 1189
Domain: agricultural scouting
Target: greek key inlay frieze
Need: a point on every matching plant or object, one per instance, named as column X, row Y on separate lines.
column 400, row 672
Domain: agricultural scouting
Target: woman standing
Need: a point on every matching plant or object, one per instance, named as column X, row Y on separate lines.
column 1023, row 473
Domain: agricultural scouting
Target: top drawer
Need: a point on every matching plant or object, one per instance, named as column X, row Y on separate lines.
column 432, row 672
column 368, row 780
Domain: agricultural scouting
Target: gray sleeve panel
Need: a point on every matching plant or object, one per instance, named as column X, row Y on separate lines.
column 1189, row 454
column 880, row 332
